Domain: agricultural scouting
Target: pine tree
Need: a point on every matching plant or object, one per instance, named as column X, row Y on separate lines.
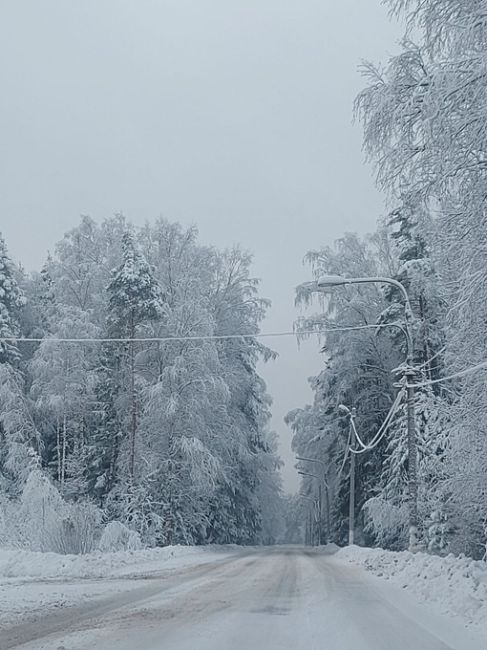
column 134, row 298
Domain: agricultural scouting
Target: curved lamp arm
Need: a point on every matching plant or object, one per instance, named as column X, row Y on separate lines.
column 328, row 281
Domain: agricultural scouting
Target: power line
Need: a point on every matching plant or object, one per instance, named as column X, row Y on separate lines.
column 428, row 361
column 345, row 455
column 166, row 339
column 222, row 337
column 383, row 429
column 151, row 339
column 460, row 373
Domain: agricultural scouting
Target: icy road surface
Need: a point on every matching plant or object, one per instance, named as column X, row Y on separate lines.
column 285, row 598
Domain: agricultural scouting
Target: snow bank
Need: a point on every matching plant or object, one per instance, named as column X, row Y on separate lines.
column 455, row 586
column 35, row 565
column 33, row 584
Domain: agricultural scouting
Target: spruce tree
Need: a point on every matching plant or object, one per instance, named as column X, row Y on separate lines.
column 11, row 300
column 18, row 435
column 409, row 226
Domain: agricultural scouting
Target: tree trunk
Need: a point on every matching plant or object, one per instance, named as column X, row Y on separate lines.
column 58, row 449
column 113, row 460
column 133, row 430
column 412, row 467
column 426, row 350
column 64, row 444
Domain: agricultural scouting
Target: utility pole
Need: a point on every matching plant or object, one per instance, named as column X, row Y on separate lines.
column 328, row 281
column 320, row 517
column 351, row 503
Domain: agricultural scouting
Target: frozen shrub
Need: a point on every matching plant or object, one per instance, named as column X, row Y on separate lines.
column 437, row 532
column 40, row 515
column 80, row 528
column 117, row 537
column 387, row 522
column 43, row 521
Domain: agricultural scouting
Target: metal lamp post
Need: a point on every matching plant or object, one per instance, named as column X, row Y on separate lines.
column 329, row 281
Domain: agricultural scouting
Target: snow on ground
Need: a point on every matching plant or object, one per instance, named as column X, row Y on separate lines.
column 289, row 581
column 34, row 583
column 279, row 598
column 455, row 586
column 28, row 564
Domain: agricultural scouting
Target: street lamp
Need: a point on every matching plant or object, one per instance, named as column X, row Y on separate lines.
column 329, row 281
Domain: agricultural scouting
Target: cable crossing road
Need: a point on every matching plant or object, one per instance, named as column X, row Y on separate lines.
column 281, row 598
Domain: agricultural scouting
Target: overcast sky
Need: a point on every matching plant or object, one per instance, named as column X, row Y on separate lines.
column 234, row 115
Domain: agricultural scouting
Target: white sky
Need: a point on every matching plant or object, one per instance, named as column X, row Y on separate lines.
column 235, row 115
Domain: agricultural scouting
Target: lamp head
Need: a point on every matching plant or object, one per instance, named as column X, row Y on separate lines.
column 327, row 281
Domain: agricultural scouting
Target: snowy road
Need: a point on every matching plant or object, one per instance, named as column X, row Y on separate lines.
column 280, row 598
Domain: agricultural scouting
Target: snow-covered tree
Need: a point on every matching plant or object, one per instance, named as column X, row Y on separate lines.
column 134, row 299
column 19, row 440
column 11, row 301
column 168, row 437
column 62, row 387
column 357, row 371
column 424, row 127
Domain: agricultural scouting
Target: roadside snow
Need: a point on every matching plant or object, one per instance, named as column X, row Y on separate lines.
column 33, row 584
column 455, row 586
column 34, row 565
